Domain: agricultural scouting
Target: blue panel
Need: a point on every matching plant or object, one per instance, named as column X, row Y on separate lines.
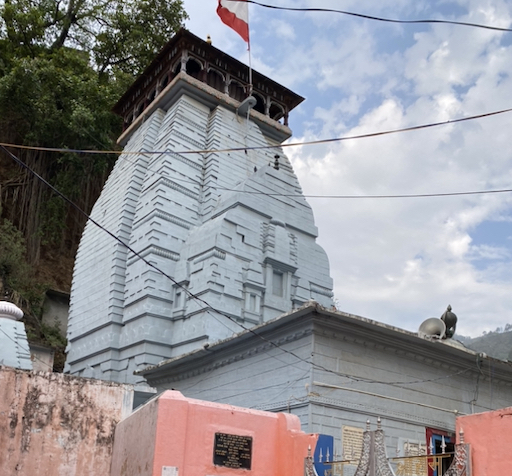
column 323, row 453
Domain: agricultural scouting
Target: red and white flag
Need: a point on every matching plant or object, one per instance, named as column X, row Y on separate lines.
column 235, row 14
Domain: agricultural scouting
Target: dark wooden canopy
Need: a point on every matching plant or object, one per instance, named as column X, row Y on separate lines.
column 187, row 53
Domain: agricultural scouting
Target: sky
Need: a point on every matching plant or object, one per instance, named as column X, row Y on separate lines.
column 397, row 260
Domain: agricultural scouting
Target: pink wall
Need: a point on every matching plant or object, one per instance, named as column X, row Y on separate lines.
column 54, row 425
column 172, row 431
column 490, row 437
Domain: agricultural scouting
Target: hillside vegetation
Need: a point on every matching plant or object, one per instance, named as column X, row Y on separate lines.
column 496, row 344
column 63, row 65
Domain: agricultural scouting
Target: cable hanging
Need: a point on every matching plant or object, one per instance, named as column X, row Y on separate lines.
column 371, row 17
column 208, row 308
column 262, row 147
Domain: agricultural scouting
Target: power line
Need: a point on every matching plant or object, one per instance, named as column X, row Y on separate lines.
column 263, row 147
column 412, row 195
column 371, row 17
column 302, row 195
column 208, row 308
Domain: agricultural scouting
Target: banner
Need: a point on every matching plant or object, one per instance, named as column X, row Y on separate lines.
column 235, row 14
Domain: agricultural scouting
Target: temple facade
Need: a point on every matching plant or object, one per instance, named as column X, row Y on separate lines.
column 212, row 232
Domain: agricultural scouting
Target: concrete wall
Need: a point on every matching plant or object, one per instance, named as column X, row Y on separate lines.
column 334, row 378
column 55, row 425
column 179, row 439
column 260, row 377
column 490, row 437
column 56, row 310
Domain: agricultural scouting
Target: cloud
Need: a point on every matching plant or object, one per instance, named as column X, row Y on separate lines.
column 398, row 260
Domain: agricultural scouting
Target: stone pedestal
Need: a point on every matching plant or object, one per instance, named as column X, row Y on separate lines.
column 14, row 348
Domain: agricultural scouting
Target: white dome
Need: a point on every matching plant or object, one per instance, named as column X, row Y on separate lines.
column 9, row 310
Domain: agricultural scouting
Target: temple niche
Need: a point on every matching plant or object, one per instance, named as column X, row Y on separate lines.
column 224, row 222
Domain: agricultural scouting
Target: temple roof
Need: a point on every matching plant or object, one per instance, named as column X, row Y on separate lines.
column 184, row 44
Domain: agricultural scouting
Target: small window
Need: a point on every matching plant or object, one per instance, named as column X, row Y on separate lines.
column 252, row 302
column 193, row 68
column 177, row 299
column 165, row 82
column 139, row 110
column 276, row 112
column 237, row 91
column 277, row 283
column 215, row 80
column 260, row 104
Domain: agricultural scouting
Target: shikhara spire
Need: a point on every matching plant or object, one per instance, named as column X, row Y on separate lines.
column 236, row 258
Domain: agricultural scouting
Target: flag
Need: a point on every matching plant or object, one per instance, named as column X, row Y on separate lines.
column 235, row 14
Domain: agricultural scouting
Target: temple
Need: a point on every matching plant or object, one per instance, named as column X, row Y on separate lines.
column 204, row 193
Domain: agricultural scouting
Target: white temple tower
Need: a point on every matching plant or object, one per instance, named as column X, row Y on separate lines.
column 230, row 227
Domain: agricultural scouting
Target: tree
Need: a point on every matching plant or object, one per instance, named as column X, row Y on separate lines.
column 63, row 65
column 55, row 101
column 120, row 35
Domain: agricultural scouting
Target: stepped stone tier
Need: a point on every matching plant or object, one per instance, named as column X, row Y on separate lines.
column 14, row 348
column 231, row 227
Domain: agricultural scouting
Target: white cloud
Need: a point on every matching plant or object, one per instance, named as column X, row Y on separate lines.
column 398, row 260
column 282, row 29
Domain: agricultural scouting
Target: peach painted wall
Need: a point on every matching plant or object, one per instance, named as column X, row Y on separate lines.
column 490, row 437
column 56, row 425
column 172, row 432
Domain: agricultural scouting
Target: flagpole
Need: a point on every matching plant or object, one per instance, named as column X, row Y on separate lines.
column 235, row 14
column 249, row 51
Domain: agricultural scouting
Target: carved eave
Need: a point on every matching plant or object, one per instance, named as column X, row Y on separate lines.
column 186, row 84
column 213, row 68
column 438, row 353
column 313, row 318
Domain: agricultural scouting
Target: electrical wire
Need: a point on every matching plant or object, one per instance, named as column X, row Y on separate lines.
column 386, row 397
column 412, row 195
column 208, row 308
column 397, row 383
column 345, row 197
column 265, row 147
column 245, row 391
column 24, row 349
column 294, row 144
column 371, row 17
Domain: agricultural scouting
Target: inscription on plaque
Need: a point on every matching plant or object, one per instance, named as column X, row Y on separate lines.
column 232, row 451
column 352, row 438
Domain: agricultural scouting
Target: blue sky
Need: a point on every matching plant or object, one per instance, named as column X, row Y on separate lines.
column 398, row 261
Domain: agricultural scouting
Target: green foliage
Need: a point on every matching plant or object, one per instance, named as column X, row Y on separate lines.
column 12, row 253
column 494, row 344
column 63, row 65
column 18, row 285
column 58, row 100
column 16, row 280
column 122, row 35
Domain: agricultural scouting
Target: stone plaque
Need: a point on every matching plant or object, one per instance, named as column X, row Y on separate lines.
column 352, row 440
column 169, row 471
column 232, row 451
